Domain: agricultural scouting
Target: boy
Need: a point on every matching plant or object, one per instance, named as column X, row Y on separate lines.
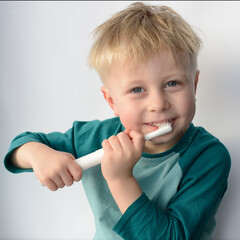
column 166, row 188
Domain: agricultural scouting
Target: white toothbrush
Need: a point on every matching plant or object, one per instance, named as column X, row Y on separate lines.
column 95, row 158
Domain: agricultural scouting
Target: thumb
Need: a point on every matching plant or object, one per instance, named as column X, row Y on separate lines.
column 127, row 131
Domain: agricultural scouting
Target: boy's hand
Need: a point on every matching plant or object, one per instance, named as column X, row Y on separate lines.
column 54, row 169
column 121, row 153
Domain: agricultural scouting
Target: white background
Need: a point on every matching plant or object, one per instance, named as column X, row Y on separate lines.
column 45, row 85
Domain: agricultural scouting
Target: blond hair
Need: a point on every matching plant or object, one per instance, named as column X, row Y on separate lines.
column 139, row 32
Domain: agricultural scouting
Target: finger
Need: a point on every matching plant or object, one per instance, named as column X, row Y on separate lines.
column 58, row 181
column 106, row 146
column 137, row 139
column 66, row 178
column 126, row 131
column 75, row 170
column 115, row 143
column 71, row 156
column 125, row 140
column 50, row 185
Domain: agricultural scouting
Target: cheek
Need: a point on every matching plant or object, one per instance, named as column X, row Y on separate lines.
column 185, row 104
column 188, row 107
column 130, row 116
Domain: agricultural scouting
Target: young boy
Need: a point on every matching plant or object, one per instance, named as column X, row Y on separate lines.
column 166, row 188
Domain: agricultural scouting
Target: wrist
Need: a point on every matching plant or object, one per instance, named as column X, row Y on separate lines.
column 125, row 192
column 24, row 155
column 20, row 156
column 120, row 182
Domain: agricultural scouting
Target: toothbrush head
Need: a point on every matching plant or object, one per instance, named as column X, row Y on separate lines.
column 164, row 128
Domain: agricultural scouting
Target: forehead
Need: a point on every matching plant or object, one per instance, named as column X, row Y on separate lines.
column 162, row 65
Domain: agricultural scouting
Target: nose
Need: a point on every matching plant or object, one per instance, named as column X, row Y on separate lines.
column 158, row 102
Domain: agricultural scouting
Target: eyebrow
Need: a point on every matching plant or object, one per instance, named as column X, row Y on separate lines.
column 176, row 74
column 133, row 83
column 173, row 76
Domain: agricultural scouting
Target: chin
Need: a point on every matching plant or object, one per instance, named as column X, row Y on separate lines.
column 161, row 140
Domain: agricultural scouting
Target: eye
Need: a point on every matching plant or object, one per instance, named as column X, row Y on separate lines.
column 137, row 90
column 171, row 84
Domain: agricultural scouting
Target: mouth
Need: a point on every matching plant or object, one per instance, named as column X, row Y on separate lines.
column 160, row 123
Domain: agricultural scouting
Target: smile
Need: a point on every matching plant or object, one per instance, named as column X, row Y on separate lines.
column 158, row 124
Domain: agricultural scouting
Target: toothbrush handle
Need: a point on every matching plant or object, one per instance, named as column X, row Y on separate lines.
column 95, row 158
column 90, row 160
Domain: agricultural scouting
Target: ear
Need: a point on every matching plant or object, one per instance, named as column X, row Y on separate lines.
column 109, row 99
column 196, row 80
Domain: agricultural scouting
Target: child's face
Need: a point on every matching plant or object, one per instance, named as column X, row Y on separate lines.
column 157, row 91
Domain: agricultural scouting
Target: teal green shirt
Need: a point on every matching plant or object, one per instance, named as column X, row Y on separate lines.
column 182, row 187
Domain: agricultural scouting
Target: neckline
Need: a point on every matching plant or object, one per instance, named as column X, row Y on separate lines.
column 185, row 140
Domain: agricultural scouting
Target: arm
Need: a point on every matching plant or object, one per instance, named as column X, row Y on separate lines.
column 190, row 210
column 121, row 153
column 50, row 156
column 53, row 169
column 82, row 139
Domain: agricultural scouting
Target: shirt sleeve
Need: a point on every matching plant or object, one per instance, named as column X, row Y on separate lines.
column 56, row 140
column 83, row 138
column 191, row 208
column 140, row 219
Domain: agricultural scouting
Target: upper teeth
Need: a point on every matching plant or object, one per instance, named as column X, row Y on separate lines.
column 156, row 124
column 159, row 124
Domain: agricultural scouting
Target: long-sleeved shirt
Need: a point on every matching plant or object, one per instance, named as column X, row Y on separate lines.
column 182, row 187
